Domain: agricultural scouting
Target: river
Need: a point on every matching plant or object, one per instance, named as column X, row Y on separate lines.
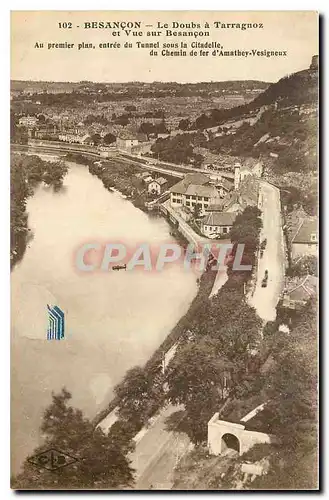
column 113, row 320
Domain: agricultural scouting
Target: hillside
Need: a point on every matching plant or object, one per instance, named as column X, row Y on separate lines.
column 298, row 89
column 144, row 89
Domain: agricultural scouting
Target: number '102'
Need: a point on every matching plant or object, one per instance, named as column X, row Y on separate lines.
column 65, row 25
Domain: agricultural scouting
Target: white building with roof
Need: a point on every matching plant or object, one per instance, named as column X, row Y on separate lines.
column 194, row 189
column 218, row 223
column 305, row 240
column 158, row 186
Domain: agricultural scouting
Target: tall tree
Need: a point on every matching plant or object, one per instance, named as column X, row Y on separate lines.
column 100, row 462
column 197, row 378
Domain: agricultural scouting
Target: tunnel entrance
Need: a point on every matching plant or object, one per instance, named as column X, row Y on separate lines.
column 229, row 441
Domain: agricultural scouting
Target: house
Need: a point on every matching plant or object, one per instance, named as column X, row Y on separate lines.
column 148, row 179
column 86, row 139
column 194, row 189
column 216, row 223
column 243, row 171
column 142, row 148
column 305, row 239
column 28, row 121
column 298, row 294
column 246, row 195
column 223, row 186
column 127, row 141
column 76, row 138
column 143, row 175
column 106, row 151
column 157, row 186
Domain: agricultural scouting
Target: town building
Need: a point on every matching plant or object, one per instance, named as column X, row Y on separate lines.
column 223, row 186
column 298, row 294
column 295, row 296
column 305, row 240
column 127, row 141
column 246, row 195
column 142, row 148
column 147, row 180
column 158, row 186
column 106, row 151
column 124, row 144
column 194, row 189
column 28, row 121
column 218, row 223
column 243, row 171
column 75, row 138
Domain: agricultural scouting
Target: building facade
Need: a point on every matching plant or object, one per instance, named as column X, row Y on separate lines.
column 305, row 240
column 157, row 186
column 218, row 223
column 194, row 189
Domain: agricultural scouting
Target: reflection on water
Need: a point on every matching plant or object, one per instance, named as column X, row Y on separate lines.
column 113, row 320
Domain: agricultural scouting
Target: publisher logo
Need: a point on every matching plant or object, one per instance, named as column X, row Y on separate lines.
column 56, row 325
column 52, row 459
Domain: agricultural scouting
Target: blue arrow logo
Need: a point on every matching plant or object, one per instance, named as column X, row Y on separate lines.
column 56, row 329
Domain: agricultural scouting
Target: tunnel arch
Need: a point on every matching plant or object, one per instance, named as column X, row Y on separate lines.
column 230, row 441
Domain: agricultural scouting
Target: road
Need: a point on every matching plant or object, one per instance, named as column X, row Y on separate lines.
column 157, row 453
column 265, row 299
column 157, row 165
column 196, row 239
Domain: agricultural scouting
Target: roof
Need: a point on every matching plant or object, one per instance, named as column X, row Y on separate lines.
column 160, row 180
column 304, row 231
column 205, row 191
column 220, row 219
column 247, row 194
column 225, row 184
column 198, row 179
column 249, row 188
column 306, row 288
column 127, row 135
column 215, row 207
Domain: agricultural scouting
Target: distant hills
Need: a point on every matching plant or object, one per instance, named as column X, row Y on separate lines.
column 141, row 89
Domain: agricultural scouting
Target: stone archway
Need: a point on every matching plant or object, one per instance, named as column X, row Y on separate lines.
column 230, row 441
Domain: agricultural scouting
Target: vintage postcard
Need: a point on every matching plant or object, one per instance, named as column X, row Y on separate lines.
column 164, row 250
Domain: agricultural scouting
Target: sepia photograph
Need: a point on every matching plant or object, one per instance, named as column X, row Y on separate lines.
column 164, row 250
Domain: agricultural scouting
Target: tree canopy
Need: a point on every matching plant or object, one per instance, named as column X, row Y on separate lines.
column 100, row 462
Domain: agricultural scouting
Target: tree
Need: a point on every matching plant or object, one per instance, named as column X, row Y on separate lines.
column 197, row 211
column 139, row 395
column 245, row 230
column 197, row 378
column 308, row 264
column 291, row 387
column 96, row 138
column 146, row 128
column 100, row 462
column 184, row 124
column 109, row 138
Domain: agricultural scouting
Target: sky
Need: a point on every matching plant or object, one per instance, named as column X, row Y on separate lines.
column 293, row 31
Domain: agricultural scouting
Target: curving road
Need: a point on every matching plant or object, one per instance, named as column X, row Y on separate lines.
column 265, row 299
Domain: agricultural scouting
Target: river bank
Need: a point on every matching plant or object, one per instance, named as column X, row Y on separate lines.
column 27, row 172
column 118, row 174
